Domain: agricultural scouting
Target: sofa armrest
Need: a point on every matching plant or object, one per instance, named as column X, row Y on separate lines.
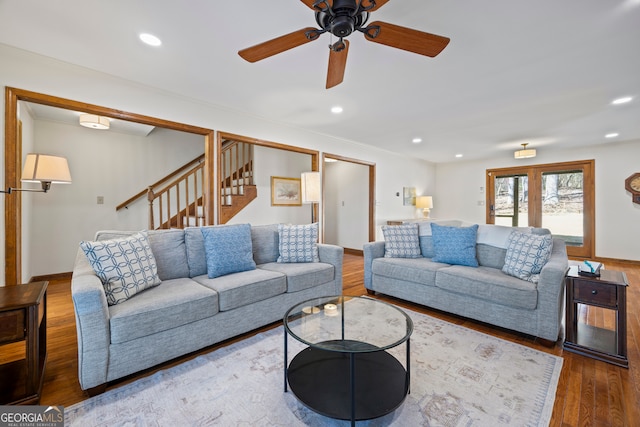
column 551, row 285
column 372, row 250
column 92, row 323
column 334, row 255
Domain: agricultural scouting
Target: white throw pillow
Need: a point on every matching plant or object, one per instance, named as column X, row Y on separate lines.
column 125, row 266
column 527, row 254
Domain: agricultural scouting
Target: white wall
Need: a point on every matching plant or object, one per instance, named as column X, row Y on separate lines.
column 270, row 162
column 36, row 73
column 103, row 163
column 346, row 204
column 617, row 234
column 28, row 131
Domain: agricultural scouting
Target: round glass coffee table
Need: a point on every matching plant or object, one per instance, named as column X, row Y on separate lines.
column 346, row 372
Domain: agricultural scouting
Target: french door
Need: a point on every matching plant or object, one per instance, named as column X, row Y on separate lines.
column 558, row 196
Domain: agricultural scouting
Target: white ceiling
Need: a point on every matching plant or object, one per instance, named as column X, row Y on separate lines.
column 543, row 72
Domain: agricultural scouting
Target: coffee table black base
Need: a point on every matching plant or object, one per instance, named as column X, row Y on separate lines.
column 320, row 379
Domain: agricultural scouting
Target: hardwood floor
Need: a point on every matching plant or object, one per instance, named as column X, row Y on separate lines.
column 590, row 392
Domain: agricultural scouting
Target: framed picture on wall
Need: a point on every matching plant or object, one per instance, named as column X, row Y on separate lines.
column 285, row 191
column 409, row 196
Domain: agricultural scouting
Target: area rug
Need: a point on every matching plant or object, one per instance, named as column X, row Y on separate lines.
column 459, row 377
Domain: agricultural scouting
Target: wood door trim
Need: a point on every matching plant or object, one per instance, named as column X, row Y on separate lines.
column 13, row 210
column 372, row 189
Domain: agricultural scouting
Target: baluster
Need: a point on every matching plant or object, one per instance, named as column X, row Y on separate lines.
column 150, row 198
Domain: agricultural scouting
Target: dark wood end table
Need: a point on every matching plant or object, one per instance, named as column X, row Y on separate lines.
column 23, row 318
column 609, row 292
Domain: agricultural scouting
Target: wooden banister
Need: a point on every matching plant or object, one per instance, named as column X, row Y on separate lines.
column 197, row 160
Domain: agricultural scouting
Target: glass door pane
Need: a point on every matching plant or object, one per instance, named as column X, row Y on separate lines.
column 563, row 205
column 512, row 200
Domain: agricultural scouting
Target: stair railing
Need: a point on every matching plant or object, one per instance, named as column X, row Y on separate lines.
column 236, row 169
column 180, row 203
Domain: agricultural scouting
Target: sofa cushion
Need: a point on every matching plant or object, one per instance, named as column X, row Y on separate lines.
column 126, row 266
column 417, row 270
column 171, row 253
column 302, row 276
column 401, row 241
column 490, row 256
column 264, row 240
column 194, row 241
column 455, row 245
column 228, row 249
column 167, row 246
column 489, row 284
column 239, row 289
column 527, row 254
column 170, row 305
column 298, row 243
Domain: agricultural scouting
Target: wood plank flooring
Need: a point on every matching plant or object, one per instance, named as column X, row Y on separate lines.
column 590, row 392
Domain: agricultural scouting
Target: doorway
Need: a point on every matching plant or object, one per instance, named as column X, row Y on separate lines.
column 348, row 202
column 558, row 196
column 13, row 207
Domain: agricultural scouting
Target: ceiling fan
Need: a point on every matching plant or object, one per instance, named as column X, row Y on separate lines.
column 341, row 18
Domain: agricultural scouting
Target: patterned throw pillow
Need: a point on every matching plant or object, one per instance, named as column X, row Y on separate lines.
column 401, row 241
column 298, row 243
column 527, row 254
column 126, row 266
column 228, row 249
column 455, row 245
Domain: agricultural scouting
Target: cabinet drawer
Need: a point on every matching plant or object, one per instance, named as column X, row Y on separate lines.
column 595, row 293
column 12, row 325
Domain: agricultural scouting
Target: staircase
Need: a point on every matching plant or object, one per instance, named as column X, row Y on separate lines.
column 237, row 188
column 177, row 200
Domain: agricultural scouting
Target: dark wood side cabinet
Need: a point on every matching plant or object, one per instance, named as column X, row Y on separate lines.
column 608, row 291
column 23, row 319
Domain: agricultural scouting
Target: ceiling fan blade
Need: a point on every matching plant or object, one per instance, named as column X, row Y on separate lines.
column 379, row 4
column 337, row 65
column 275, row 46
column 407, row 39
column 310, row 3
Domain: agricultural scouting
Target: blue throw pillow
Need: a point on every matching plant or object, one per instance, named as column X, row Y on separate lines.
column 228, row 249
column 527, row 254
column 401, row 241
column 298, row 243
column 455, row 245
column 125, row 265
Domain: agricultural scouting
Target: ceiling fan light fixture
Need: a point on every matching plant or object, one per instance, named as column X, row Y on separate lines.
column 94, row 121
column 525, row 153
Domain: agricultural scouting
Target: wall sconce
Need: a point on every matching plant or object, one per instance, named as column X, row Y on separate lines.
column 311, row 190
column 524, row 153
column 425, row 203
column 44, row 169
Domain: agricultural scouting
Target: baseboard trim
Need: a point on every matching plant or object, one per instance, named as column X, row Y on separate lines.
column 353, row 251
column 606, row 260
column 49, row 277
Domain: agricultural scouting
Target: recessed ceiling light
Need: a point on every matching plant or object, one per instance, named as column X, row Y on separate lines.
column 458, row 155
column 622, row 100
column 611, row 135
column 336, row 110
column 150, row 39
column 416, row 140
column 330, row 160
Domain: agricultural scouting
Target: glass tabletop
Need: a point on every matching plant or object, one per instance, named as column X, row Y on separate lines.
column 348, row 324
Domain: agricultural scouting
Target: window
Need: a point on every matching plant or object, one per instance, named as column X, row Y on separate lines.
column 557, row 196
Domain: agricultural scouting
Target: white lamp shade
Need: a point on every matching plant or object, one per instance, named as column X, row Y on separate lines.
column 94, row 121
column 424, row 202
column 310, row 187
column 46, row 168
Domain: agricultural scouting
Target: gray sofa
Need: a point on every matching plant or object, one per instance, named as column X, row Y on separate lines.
column 483, row 293
column 188, row 311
